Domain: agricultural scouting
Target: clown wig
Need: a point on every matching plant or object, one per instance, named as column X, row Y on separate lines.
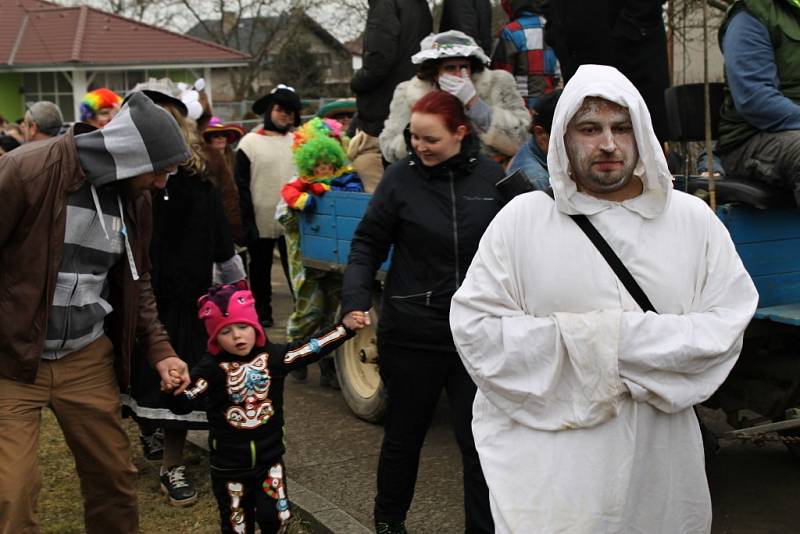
column 318, row 141
column 96, row 100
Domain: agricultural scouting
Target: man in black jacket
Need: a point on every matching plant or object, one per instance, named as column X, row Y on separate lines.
column 393, row 33
column 473, row 17
column 626, row 34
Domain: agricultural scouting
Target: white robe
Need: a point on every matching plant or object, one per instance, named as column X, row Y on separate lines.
column 583, row 418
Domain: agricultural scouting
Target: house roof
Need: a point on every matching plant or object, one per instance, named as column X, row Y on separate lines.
column 39, row 33
column 252, row 33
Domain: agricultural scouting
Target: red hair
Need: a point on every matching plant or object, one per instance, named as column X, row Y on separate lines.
column 445, row 105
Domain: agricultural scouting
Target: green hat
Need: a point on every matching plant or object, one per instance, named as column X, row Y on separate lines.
column 337, row 107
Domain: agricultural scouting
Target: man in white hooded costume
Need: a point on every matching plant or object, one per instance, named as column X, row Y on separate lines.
column 583, row 419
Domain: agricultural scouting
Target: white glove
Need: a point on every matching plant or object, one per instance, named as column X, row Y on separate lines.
column 460, row 88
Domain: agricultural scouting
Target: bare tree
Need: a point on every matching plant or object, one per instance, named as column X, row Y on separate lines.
column 156, row 12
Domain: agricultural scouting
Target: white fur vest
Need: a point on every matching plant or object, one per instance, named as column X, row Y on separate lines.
column 510, row 119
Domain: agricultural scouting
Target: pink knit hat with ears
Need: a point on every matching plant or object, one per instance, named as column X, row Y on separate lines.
column 226, row 305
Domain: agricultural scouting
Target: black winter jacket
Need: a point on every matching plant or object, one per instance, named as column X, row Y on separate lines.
column 626, row 34
column 393, row 33
column 473, row 17
column 434, row 217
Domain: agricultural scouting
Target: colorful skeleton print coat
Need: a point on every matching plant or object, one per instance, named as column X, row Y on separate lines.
column 243, row 398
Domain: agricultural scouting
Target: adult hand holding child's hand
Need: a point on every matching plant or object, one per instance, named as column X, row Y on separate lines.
column 174, row 374
column 356, row 320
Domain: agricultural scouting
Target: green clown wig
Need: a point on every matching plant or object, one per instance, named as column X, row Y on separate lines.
column 318, row 141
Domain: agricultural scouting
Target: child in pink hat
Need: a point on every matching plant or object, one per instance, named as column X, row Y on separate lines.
column 239, row 383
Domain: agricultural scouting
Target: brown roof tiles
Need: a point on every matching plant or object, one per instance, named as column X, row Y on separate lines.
column 39, row 33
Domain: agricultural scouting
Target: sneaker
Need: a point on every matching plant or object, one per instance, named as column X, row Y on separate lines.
column 174, row 484
column 153, row 445
column 390, row 527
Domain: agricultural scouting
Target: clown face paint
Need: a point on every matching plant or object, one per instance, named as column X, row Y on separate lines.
column 601, row 148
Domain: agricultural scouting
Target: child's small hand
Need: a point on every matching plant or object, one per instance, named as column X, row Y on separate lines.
column 356, row 320
column 173, row 382
column 175, row 377
column 174, row 374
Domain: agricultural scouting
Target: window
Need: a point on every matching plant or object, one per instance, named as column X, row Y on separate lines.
column 119, row 81
column 53, row 86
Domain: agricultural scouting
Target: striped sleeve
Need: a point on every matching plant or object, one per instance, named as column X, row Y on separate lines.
column 314, row 349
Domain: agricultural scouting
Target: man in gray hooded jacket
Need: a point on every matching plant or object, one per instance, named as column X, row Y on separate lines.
column 75, row 294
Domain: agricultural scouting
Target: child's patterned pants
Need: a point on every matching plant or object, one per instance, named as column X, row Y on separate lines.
column 245, row 500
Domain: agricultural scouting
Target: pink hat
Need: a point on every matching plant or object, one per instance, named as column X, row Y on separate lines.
column 233, row 132
column 226, row 305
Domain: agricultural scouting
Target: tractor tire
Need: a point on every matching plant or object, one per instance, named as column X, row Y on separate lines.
column 358, row 373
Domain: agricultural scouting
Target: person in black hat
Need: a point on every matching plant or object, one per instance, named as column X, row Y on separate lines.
column 263, row 164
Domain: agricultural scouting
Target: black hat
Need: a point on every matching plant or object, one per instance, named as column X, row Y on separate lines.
column 282, row 95
column 162, row 92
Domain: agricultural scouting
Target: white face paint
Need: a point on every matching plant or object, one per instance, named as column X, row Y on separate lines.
column 601, row 147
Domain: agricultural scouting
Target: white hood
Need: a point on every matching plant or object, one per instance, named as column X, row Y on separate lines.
column 610, row 84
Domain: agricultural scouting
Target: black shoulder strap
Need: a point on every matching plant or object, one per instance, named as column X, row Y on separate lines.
column 613, row 260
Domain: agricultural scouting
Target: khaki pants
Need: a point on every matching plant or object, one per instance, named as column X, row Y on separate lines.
column 82, row 391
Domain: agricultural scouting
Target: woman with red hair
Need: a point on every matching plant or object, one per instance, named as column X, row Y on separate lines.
column 432, row 207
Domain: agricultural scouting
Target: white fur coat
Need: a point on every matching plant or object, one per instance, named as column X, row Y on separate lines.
column 507, row 131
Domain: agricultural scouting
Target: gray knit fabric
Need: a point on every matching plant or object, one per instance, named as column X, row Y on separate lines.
column 79, row 305
column 141, row 138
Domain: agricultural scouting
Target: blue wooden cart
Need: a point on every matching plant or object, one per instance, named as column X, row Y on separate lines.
column 325, row 243
column 768, row 241
column 326, row 232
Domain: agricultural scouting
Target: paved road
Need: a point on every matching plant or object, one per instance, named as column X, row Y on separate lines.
column 754, row 490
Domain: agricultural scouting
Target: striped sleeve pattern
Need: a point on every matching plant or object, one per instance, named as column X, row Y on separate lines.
column 521, row 50
column 316, row 344
column 79, row 305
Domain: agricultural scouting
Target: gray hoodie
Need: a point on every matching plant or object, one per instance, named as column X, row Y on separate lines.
column 141, row 138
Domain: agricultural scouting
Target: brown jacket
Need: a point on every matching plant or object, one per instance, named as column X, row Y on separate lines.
column 35, row 180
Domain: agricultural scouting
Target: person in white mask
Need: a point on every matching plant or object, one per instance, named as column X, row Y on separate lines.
column 583, row 419
column 453, row 62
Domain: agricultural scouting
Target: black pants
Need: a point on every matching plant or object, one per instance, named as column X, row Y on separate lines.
column 414, row 380
column 261, row 272
column 258, row 496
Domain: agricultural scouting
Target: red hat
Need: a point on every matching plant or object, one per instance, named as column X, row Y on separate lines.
column 226, row 305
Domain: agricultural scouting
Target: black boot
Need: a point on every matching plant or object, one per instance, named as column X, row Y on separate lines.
column 327, row 373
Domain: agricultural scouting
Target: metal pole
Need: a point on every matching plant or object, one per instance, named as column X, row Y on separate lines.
column 712, row 186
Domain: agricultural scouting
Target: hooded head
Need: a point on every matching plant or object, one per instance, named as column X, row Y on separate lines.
column 142, row 138
column 226, row 305
column 609, row 84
